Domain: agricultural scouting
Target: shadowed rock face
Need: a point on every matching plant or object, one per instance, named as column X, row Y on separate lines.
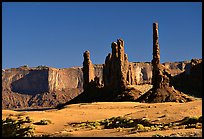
column 190, row 81
column 35, row 81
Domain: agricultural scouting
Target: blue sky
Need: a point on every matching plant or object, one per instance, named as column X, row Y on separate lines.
column 56, row 34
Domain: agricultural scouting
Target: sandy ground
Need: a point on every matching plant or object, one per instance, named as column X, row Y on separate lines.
column 61, row 119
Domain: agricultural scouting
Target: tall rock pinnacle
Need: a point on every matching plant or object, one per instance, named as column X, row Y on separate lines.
column 156, row 51
column 162, row 90
column 160, row 75
column 156, row 57
column 88, row 70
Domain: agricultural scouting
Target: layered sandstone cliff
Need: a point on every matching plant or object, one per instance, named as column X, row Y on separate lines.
column 43, row 87
column 34, row 80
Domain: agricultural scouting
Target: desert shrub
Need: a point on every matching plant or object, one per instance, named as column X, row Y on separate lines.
column 166, row 128
column 28, row 120
column 16, row 128
column 140, row 127
column 145, row 122
column 116, row 122
column 153, row 128
column 43, row 122
column 92, row 125
column 200, row 119
column 147, row 128
column 190, row 120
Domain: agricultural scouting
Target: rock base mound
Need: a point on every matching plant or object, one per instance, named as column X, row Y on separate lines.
column 130, row 94
column 165, row 94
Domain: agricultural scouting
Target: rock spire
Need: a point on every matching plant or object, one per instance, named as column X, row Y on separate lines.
column 162, row 90
column 88, row 70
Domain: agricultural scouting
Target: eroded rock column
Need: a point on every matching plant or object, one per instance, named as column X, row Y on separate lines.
column 156, row 74
column 88, row 70
column 160, row 75
column 116, row 67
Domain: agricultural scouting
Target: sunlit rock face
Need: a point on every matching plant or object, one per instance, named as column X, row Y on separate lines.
column 117, row 71
column 40, row 87
column 88, row 70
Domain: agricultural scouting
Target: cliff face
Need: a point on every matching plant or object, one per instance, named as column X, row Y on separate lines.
column 190, row 81
column 61, row 79
column 45, row 87
column 32, row 81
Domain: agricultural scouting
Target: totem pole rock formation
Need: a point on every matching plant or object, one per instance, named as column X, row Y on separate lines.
column 116, row 67
column 88, row 70
column 162, row 90
column 118, row 74
column 156, row 55
column 160, row 75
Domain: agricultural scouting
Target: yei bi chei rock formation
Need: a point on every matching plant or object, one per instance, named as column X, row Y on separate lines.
column 118, row 75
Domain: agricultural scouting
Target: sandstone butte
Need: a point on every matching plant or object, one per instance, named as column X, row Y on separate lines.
column 115, row 80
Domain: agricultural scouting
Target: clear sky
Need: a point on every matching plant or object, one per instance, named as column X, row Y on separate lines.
column 56, row 34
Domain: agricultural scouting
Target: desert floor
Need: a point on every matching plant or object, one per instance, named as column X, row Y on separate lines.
column 156, row 112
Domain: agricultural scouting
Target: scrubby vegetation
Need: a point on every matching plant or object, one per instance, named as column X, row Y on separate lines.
column 118, row 123
column 43, row 122
column 17, row 128
column 191, row 120
column 113, row 122
column 20, row 126
column 140, row 125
